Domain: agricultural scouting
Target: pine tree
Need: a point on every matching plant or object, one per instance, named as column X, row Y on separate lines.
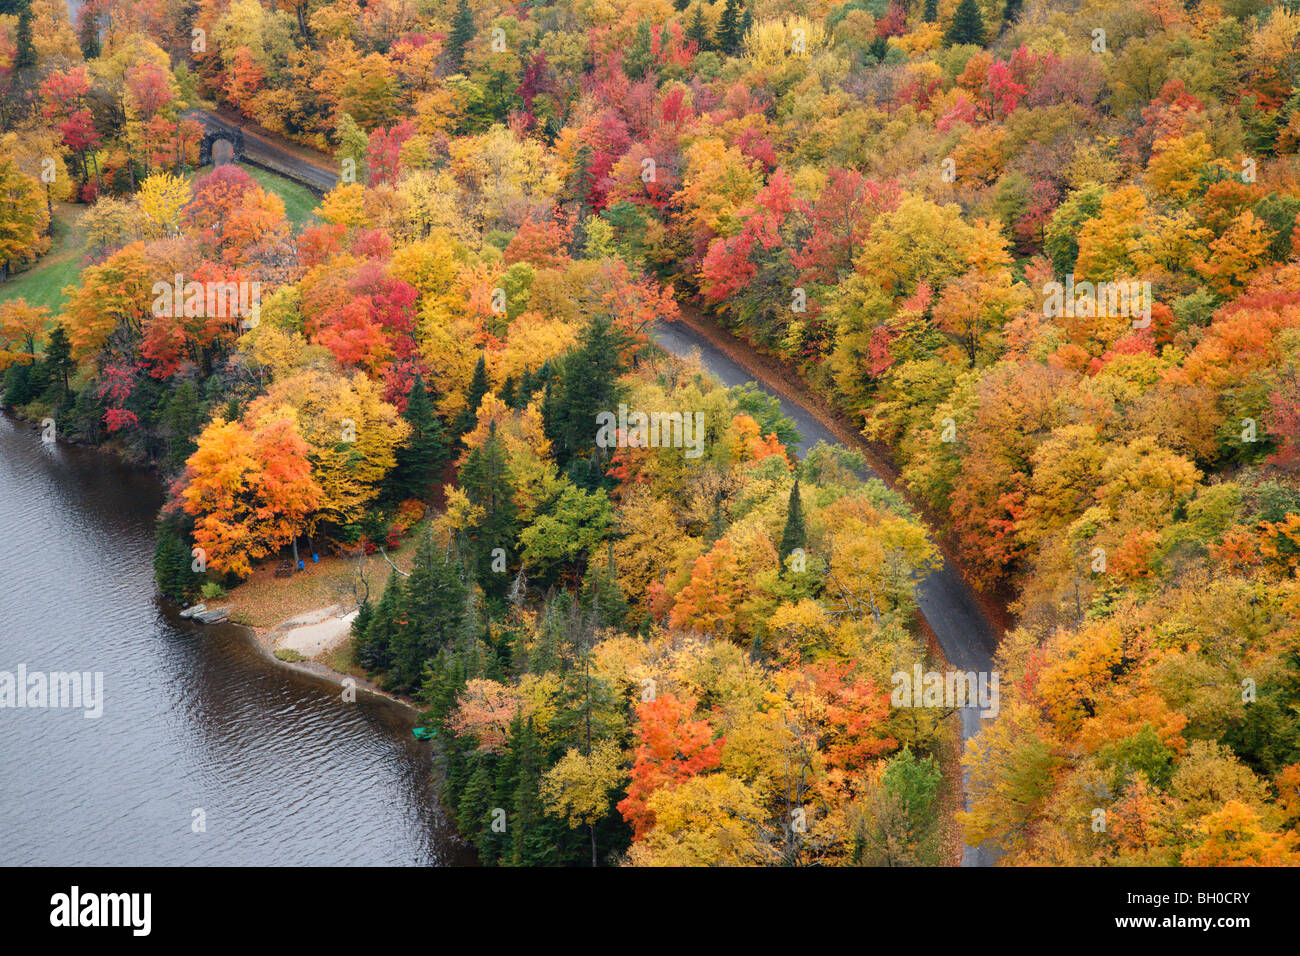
column 967, row 25
column 432, row 611
column 58, row 356
column 173, row 568
column 1011, row 12
column 794, row 535
column 727, row 38
column 587, row 385
column 462, row 31
column 534, row 835
column 181, row 418
column 698, row 30
column 26, row 53
column 424, row 452
column 746, row 22
column 485, row 480
column 467, row 418
column 373, row 647
column 638, row 57
column 602, row 596
column 931, row 12
column 474, row 809
column 365, row 613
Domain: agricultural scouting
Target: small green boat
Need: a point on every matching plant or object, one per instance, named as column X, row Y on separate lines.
column 424, row 733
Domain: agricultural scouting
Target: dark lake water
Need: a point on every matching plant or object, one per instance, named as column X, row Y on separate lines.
column 193, row 717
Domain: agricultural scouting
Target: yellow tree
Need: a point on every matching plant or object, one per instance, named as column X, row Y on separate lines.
column 351, row 432
column 21, row 327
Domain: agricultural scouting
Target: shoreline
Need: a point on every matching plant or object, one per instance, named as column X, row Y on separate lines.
column 264, row 639
column 261, row 637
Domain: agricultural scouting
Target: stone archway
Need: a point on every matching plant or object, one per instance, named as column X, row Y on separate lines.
column 221, row 146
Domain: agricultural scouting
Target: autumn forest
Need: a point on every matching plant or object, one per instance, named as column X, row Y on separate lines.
column 1034, row 263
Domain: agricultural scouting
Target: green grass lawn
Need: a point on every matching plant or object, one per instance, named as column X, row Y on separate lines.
column 43, row 282
column 299, row 201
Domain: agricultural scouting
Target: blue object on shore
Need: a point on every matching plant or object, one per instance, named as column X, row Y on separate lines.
column 301, row 566
column 315, row 558
column 424, row 733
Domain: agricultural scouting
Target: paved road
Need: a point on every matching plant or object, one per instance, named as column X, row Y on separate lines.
column 944, row 598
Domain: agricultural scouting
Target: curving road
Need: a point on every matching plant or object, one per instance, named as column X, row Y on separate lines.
column 949, row 607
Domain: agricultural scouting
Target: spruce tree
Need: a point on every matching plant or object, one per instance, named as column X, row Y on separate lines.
column 372, row 647
column 462, row 31
column 638, row 56
column 432, row 610
column 424, row 452
column 474, row 809
column 697, row 30
column 485, row 480
column 182, row 419
column 931, row 12
column 1011, row 12
column 727, row 38
column 478, row 387
column 602, row 595
column 535, row 837
column 587, row 385
column 794, row 535
column 58, row 356
column 967, row 25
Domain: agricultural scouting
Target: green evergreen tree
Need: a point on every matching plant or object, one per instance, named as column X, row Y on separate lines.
column 467, row 418
column 931, row 12
column 25, row 54
column 1011, row 12
column 794, row 534
column 486, row 482
column 58, row 356
column 697, row 30
column 587, row 385
column 372, row 648
column 173, row 560
column 462, row 31
column 638, row 57
column 181, row 420
column 727, row 37
column 474, row 808
column 967, row 25
column 421, row 456
column 534, row 836
column 602, row 596
column 432, row 611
